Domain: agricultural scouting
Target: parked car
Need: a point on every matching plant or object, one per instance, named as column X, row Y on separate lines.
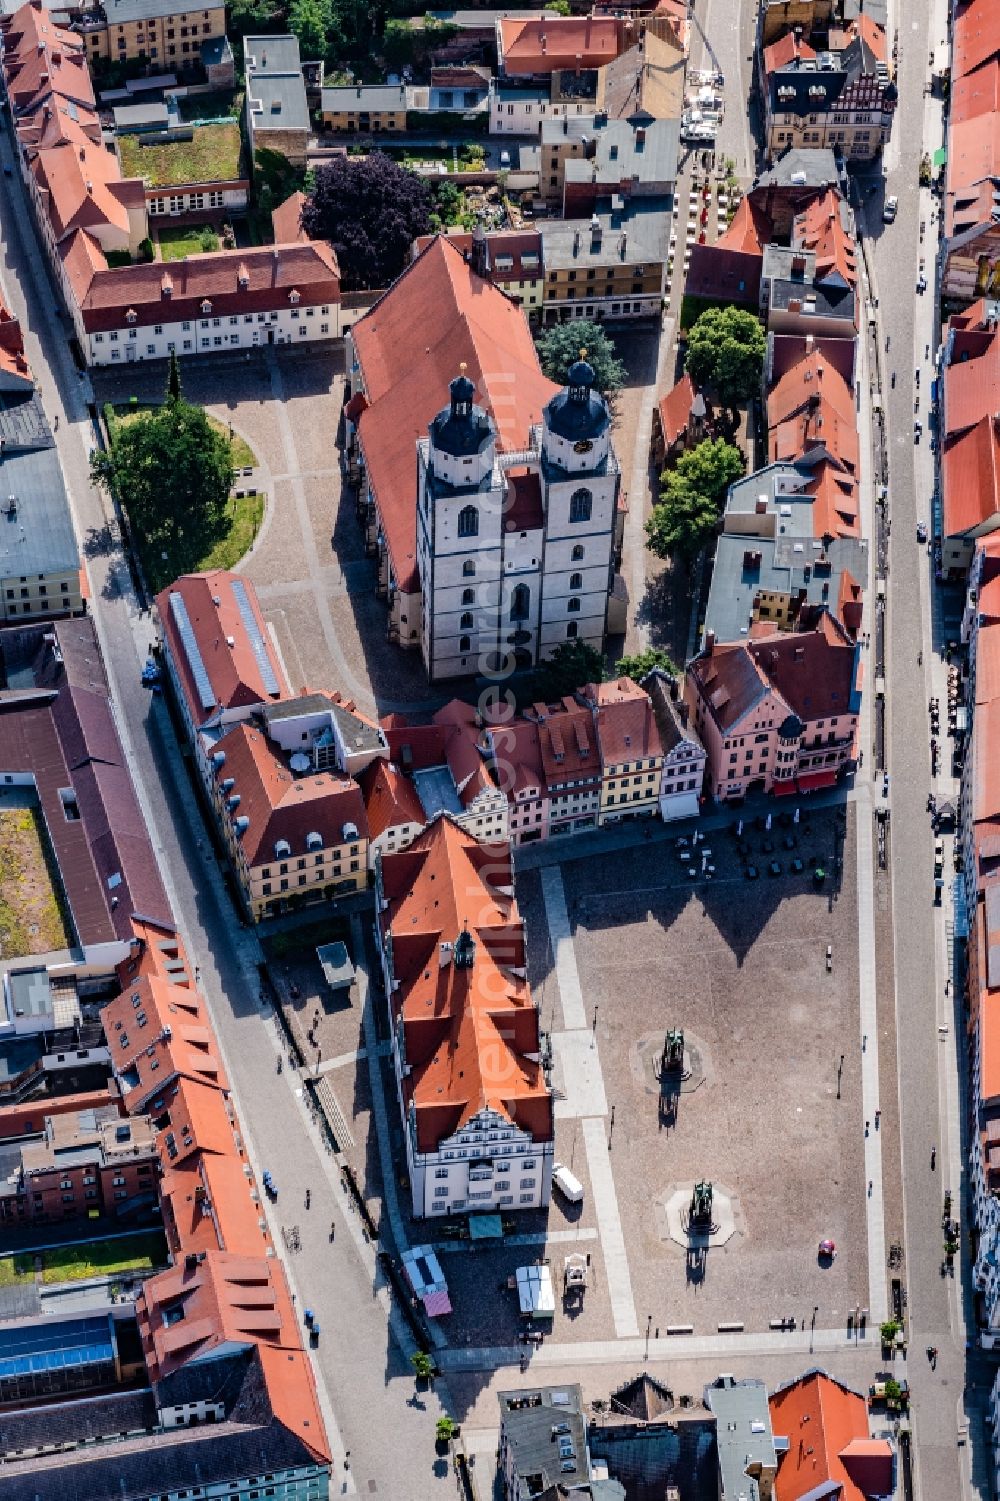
column 568, row 1185
column 889, row 212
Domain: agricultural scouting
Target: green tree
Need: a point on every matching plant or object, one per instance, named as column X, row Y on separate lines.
column 310, row 21
column 889, row 1330
column 572, row 664
column 685, row 520
column 644, row 662
column 423, row 1365
column 172, row 471
column 559, row 7
column 252, row 17
column 174, row 378
column 560, row 346
column 445, row 1429
column 726, row 349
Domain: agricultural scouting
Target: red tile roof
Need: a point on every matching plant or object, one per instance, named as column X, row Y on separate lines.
column 729, row 682
column 749, row 232
column 157, row 1031
column 567, row 741
column 675, row 410
column 270, row 276
column 545, row 44
column 822, row 1419
column 819, row 227
column 503, row 242
column 814, row 671
column 280, row 805
column 391, row 799
column 812, row 406
column 471, row 1033
column 407, row 361
column 13, row 361
column 233, row 670
column 975, row 39
column 626, row 724
column 286, row 221
column 786, row 50
column 970, row 477
column 197, row 1120
column 517, row 757
column 81, row 186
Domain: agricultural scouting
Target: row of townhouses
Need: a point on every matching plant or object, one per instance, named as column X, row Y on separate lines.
column 307, row 791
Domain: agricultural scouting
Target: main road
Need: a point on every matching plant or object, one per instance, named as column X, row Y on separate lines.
column 381, row 1430
column 929, row 1017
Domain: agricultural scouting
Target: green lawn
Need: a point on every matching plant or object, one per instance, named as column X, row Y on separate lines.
column 188, row 555
column 31, row 918
column 179, row 241
column 243, row 455
column 213, row 155
column 15, row 1269
column 102, row 1258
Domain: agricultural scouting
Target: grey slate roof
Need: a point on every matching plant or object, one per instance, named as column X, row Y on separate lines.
column 36, row 535
column 802, row 166
column 743, row 1434
column 380, row 98
column 528, row 1418
column 644, row 221
column 648, row 152
column 747, row 566
column 120, row 11
column 274, row 80
column 249, row 1442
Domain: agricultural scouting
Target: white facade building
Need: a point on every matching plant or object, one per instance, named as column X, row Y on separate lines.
column 515, row 551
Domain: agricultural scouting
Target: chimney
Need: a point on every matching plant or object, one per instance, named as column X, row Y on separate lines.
column 444, row 955
column 709, row 643
column 623, row 244
column 810, row 343
column 545, row 43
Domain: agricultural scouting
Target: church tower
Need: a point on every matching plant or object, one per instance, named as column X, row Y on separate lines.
column 581, row 483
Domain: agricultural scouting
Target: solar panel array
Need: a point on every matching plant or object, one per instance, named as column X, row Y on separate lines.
column 196, row 662
column 252, row 627
column 37, row 1348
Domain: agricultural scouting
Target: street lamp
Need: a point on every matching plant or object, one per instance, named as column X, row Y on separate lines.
column 611, row 1130
column 649, row 1325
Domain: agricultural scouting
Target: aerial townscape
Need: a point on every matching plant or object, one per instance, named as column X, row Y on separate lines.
column 500, row 750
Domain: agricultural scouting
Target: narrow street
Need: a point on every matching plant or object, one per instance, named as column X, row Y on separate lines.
column 930, row 1021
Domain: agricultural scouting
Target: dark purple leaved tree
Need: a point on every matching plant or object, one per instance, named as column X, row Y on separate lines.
column 370, row 209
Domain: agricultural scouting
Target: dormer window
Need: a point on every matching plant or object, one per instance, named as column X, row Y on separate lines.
column 314, row 841
column 206, row 307
column 243, row 277
column 294, row 296
column 131, row 315
column 282, row 849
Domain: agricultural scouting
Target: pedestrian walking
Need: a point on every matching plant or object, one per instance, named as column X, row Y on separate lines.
column 308, row 1197
column 866, row 1127
column 878, row 1117
column 869, row 1188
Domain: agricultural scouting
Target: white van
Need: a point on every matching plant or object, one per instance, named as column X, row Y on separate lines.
column 570, row 1187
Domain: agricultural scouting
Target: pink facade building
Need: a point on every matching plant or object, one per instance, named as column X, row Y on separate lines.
column 778, row 712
